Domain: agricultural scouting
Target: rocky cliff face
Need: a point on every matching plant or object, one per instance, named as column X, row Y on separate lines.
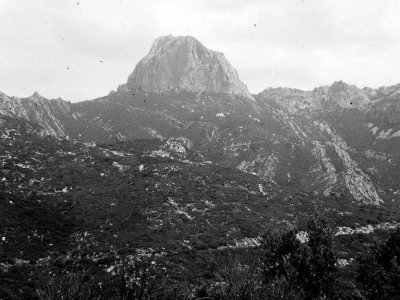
column 339, row 95
column 47, row 113
column 183, row 63
column 352, row 134
column 386, row 104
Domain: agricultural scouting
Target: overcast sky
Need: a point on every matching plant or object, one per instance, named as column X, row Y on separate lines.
column 82, row 49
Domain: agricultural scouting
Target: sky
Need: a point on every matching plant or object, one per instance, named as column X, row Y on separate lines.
column 83, row 49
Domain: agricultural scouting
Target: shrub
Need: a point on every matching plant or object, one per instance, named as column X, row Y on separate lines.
column 318, row 269
column 138, row 279
column 237, row 275
column 70, row 286
column 301, row 271
column 379, row 269
column 282, row 254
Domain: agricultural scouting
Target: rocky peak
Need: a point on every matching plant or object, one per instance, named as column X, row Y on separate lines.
column 183, row 63
column 37, row 109
column 339, row 86
column 341, row 94
column 162, row 41
column 329, row 97
column 36, row 96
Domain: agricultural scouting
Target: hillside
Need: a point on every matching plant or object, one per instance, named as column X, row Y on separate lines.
column 178, row 164
column 65, row 200
column 338, row 149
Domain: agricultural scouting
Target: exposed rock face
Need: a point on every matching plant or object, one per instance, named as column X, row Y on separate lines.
column 337, row 95
column 183, row 63
column 386, row 104
column 343, row 95
column 356, row 180
column 37, row 109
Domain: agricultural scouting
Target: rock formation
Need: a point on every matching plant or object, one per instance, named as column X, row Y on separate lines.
column 183, row 63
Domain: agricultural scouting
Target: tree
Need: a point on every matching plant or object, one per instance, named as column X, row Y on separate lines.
column 379, row 270
column 318, row 268
column 281, row 257
column 301, row 271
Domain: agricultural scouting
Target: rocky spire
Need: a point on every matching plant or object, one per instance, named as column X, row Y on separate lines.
column 183, row 63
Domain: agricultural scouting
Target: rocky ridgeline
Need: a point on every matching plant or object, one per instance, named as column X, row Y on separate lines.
column 37, row 109
column 337, row 95
column 386, row 105
column 182, row 92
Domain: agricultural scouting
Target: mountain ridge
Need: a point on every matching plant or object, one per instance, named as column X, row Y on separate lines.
column 340, row 130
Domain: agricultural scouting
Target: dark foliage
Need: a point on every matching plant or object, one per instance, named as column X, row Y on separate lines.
column 306, row 271
column 139, row 279
column 237, row 275
column 282, row 256
column 318, row 269
column 379, row 269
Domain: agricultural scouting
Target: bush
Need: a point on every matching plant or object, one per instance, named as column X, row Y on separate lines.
column 301, row 271
column 70, row 286
column 237, row 275
column 379, row 270
column 281, row 257
column 128, row 279
column 318, row 269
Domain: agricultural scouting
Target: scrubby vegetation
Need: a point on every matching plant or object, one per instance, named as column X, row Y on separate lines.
column 379, row 269
column 115, row 221
column 284, row 266
column 305, row 270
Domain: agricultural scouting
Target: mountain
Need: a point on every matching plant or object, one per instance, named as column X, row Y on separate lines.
column 183, row 63
column 333, row 139
column 182, row 159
